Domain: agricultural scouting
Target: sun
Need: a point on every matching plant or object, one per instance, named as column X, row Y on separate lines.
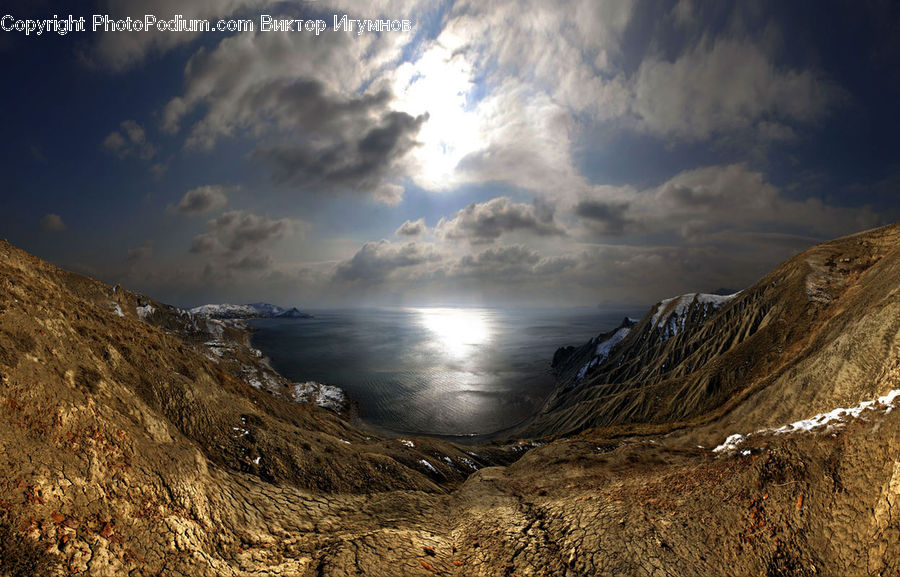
column 456, row 331
column 440, row 83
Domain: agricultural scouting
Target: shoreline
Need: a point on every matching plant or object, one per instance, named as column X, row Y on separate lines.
column 352, row 412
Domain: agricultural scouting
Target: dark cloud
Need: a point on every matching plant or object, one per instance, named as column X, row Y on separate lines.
column 603, row 217
column 699, row 205
column 254, row 261
column 205, row 243
column 53, row 223
column 503, row 261
column 306, row 103
column 488, row 221
column 699, row 202
column 412, row 228
column 237, row 229
column 239, row 241
column 359, row 163
column 129, row 140
column 201, row 200
column 322, row 122
column 375, row 261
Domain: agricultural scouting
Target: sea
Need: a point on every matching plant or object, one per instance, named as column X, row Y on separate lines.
column 451, row 372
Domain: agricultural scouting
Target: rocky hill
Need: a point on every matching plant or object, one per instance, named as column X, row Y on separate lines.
column 139, row 439
column 818, row 332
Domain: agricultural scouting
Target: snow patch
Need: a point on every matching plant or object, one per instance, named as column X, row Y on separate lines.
column 407, row 443
column 839, row 415
column 325, row 396
column 468, row 462
column 583, row 370
column 671, row 314
column 428, row 465
column 604, row 348
column 248, row 311
column 731, row 444
column 827, row 421
column 145, row 311
column 601, row 353
column 258, row 379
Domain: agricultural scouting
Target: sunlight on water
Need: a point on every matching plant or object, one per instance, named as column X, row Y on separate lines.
column 456, row 331
column 447, row 371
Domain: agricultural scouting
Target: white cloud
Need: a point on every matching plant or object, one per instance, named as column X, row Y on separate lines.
column 726, row 85
column 412, row 228
column 376, row 261
column 699, row 204
column 501, row 90
column 488, row 221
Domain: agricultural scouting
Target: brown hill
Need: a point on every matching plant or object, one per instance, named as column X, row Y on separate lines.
column 133, row 441
column 821, row 331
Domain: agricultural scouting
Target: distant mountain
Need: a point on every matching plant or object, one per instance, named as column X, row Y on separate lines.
column 248, row 311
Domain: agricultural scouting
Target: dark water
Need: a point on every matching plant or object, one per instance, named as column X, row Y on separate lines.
column 429, row 370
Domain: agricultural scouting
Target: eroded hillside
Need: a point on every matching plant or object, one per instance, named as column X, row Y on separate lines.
column 821, row 331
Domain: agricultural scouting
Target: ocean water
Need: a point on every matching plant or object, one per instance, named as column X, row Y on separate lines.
column 440, row 371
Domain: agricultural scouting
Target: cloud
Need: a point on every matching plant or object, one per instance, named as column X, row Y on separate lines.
column 239, row 241
column 376, row 261
column 558, row 48
column 201, row 200
column 129, row 140
column 699, row 205
column 603, row 217
column 488, row 221
column 504, row 261
column 737, row 197
column 205, row 243
column 323, row 122
column 237, row 230
column 358, row 164
column 53, row 223
column 412, row 228
column 503, row 90
column 254, row 261
column 510, row 98
column 687, row 99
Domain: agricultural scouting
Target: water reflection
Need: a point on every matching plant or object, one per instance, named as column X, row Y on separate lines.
column 431, row 370
column 456, row 331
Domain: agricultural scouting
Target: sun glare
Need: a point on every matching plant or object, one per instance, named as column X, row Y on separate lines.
column 439, row 83
column 456, row 331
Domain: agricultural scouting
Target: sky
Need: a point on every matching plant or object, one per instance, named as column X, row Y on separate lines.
column 495, row 153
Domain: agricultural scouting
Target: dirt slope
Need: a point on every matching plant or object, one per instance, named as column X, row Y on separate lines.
column 820, row 331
